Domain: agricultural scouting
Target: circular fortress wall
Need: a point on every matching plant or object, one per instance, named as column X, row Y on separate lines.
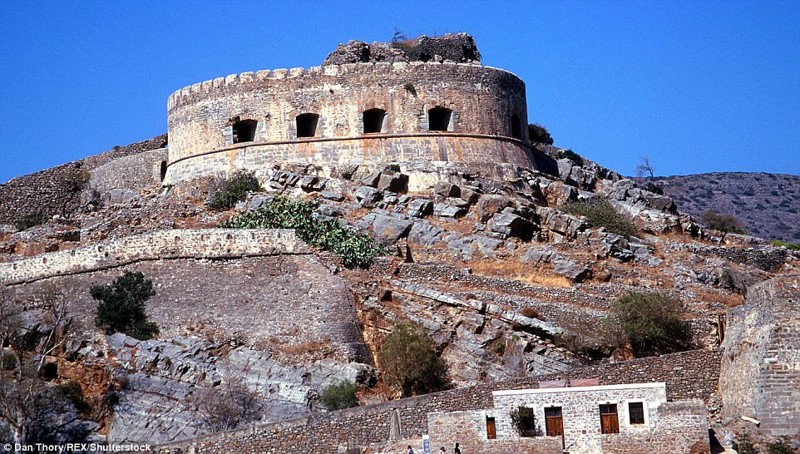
column 373, row 113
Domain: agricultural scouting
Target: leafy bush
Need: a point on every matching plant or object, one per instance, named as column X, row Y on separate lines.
column 744, row 445
column 121, row 306
column 339, row 396
column 9, row 361
column 723, row 222
column 652, row 322
column 539, row 134
column 601, row 213
column 355, row 249
column 789, row 246
column 523, row 420
column 72, row 390
column 571, row 155
column 654, row 188
column 233, row 189
column 409, row 361
column 30, row 220
column 779, row 447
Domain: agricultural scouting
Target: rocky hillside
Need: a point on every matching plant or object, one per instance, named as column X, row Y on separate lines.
column 767, row 204
column 505, row 280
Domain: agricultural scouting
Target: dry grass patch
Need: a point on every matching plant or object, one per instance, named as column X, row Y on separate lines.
column 512, row 269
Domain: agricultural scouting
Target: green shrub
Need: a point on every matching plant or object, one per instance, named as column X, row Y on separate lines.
column 9, row 361
column 539, row 134
column 409, row 361
column 121, row 306
column 72, row 390
column 787, row 245
column 523, row 420
column 601, row 213
column 723, row 222
column 779, row 447
column 744, row 445
column 233, row 189
column 652, row 322
column 355, row 249
column 654, row 188
column 30, row 220
column 339, row 396
column 571, row 155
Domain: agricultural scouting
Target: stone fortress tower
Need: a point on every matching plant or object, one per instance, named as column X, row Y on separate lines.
column 367, row 104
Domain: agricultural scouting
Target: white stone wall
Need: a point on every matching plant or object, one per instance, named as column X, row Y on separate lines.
column 164, row 244
column 581, row 411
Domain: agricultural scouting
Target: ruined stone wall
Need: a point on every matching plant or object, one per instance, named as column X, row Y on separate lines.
column 761, row 361
column 485, row 102
column 132, row 172
column 159, row 245
column 687, row 375
column 57, row 190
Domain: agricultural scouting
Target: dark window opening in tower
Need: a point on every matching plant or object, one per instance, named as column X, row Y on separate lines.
column 516, row 127
column 439, row 119
column 244, row 131
column 307, row 125
column 373, row 120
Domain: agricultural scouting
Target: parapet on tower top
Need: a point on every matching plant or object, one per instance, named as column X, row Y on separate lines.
column 421, row 104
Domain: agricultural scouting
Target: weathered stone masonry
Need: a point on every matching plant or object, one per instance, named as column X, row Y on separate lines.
column 160, row 245
column 687, row 375
column 434, row 112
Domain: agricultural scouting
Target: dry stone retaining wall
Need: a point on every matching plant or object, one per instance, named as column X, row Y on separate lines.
column 761, row 362
column 57, row 190
column 129, row 172
column 165, row 244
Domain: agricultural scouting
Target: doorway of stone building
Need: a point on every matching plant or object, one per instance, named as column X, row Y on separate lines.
column 554, row 423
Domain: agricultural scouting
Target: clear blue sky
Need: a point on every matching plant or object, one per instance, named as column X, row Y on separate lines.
column 697, row 86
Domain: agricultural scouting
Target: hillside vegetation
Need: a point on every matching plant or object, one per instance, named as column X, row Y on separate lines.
column 767, row 204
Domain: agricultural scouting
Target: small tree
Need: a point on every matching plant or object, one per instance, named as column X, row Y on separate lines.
column 652, row 322
column 122, row 306
column 723, row 222
column 523, row 419
column 409, row 361
column 339, row 396
column 539, row 134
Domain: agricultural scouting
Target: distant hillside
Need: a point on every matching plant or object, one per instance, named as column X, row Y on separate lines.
column 768, row 204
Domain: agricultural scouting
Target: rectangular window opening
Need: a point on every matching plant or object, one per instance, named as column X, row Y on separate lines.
column 439, row 119
column 373, row 120
column 636, row 412
column 307, row 125
column 244, row 131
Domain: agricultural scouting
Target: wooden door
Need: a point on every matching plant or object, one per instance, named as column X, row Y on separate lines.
column 491, row 429
column 554, row 423
column 609, row 421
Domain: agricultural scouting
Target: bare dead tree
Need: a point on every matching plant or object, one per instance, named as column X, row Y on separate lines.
column 29, row 406
column 229, row 405
column 645, row 168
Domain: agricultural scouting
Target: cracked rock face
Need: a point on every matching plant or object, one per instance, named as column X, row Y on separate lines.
column 168, row 380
